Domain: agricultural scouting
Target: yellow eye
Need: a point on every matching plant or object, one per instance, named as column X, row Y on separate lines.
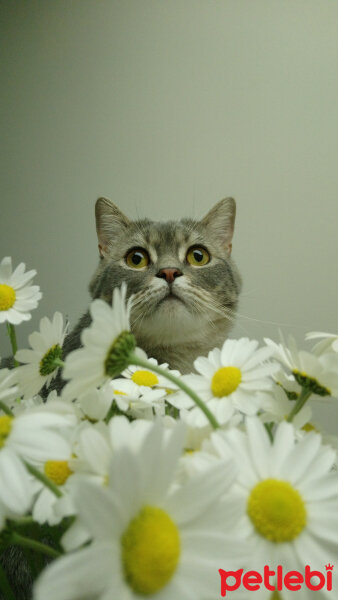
column 198, row 256
column 137, row 258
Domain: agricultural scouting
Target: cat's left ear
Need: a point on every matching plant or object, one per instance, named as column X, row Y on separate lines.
column 109, row 222
column 220, row 221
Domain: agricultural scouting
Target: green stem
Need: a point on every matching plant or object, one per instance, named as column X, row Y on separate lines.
column 139, row 362
column 303, row 397
column 113, row 410
column 12, row 337
column 58, row 362
column 25, row 542
column 5, row 585
column 110, row 413
column 5, row 409
column 44, row 479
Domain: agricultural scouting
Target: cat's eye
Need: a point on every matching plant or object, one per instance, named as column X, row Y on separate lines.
column 137, row 258
column 197, row 256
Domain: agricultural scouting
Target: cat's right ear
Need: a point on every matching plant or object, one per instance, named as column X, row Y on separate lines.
column 109, row 220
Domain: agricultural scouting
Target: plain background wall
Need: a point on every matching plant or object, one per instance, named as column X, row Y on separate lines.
column 166, row 106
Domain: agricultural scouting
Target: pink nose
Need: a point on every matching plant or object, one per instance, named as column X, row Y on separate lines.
column 169, row 274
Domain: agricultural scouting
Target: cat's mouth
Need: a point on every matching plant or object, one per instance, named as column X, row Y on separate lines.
column 171, row 297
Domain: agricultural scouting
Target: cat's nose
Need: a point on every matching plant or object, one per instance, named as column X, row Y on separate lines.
column 169, row 274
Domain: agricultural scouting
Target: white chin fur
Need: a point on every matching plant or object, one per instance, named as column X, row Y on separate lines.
column 172, row 320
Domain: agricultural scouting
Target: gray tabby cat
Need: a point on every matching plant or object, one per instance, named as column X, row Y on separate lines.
column 185, row 284
column 186, row 289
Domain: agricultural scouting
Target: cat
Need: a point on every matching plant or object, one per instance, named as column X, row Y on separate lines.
column 185, row 284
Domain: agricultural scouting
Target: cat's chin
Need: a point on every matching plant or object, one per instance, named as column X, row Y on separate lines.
column 171, row 322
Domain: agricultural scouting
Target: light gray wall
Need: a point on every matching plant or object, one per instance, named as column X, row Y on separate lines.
column 166, row 106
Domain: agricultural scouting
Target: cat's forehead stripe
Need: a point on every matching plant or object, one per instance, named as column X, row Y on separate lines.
column 170, row 236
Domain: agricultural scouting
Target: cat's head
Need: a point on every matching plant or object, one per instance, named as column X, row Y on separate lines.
column 184, row 282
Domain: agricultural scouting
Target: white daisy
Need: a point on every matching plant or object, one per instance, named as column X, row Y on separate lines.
column 147, row 390
column 276, row 407
column 30, row 437
column 148, row 538
column 63, row 466
column 291, row 495
column 329, row 341
column 41, row 435
column 96, row 403
column 319, row 374
column 17, row 296
column 35, row 433
column 58, row 471
column 138, row 401
column 229, row 380
column 106, row 343
column 39, row 368
column 70, row 465
column 146, row 379
column 199, row 452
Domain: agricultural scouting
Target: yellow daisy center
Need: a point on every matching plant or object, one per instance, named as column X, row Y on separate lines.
column 7, row 296
column 150, row 550
column 5, row 428
column 277, row 510
column 225, row 381
column 309, row 427
column 58, row 471
column 144, row 378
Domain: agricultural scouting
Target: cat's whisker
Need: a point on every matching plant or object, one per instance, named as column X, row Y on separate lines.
column 249, row 293
column 139, row 319
column 202, row 306
column 224, row 311
column 263, row 321
column 217, row 308
column 136, row 304
column 141, row 309
column 232, row 316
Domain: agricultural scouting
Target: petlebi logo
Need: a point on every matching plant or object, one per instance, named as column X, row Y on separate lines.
column 290, row 580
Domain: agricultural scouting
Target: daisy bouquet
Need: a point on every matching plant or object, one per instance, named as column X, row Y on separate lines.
column 133, row 481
